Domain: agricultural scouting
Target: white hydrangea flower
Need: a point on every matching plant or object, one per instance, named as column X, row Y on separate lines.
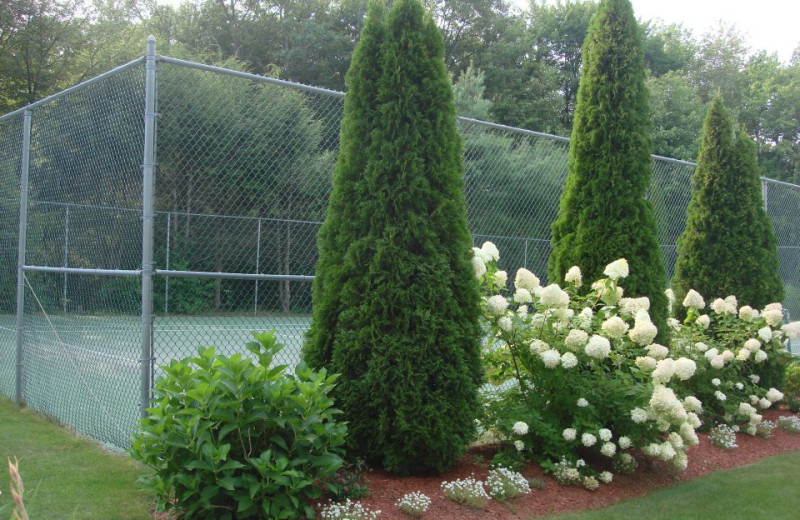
column 604, row 434
column 505, row 324
column 537, row 346
column 563, row 314
column 765, row 333
column 731, row 300
column 721, row 306
column 569, row 434
column 727, row 355
column 525, row 280
column 478, row 267
column 710, row 353
column 717, row 362
column 681, row 461
column 688, row 434
column 638, row 415
column 588, row 440
column 605, row 477
column 653, row 450
column 657, row 351
column 598, row 347
column 501, row 278
column 519, row 445
column 551, row 358
column 773, row 317
column 573, row 276
column 520, row 428
column 491, row 250
column 667, row 451
column 673, row 324
column 753, row 399
column 754, row 378
column 693, row 419
column 609, row 449
column 746, row 409
column 643, row 332
column 576, row 339
column 751, row 430
column 585, row 318
column 739, row 386
column 764, row 403
column 614, row 327
column 522, row 311
column 752, row 345
column 685, row 368
column 631, row 306
column 590, row 483
column 625, row 443
column 774, row 307
column 704, row 321
column 522, row 296
column 747, row 313
column 761, row 356
column 675, row 439
column 477, row 252
column 743, row 355
column 537, row 320
column 670, row 296
column 692, row 404
column 694, row 300
column 645, row 363
column 582, row 402
column 716, row 381
column 720, row 396
column 700, row 346
column 792, row 330
column 497, row 304
column 617, row 269
column 774, row 395
column 569, row 360
column 554, row 296
column 664, row 371
column 666, row 406
column 755, row 418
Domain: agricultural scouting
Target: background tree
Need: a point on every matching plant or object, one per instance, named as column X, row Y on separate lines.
column 603, row 214
column 406, row 340
column 728, row 246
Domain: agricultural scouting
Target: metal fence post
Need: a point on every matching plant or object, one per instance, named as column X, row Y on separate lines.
column 258, row 266
column 21, row 246
column 764, row 193
column 148, row 214
column 66, row 255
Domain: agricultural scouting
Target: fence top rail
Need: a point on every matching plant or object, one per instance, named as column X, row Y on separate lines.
column 781, row 183
column 74, row 88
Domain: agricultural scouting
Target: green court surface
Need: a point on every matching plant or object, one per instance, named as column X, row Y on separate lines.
column 85, row 370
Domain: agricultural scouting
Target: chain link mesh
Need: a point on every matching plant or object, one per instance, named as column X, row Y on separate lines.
column 242, row 184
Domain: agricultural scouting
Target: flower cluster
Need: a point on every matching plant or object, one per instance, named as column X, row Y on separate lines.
column 414, row 504
column 468, row 492
column 346, row 510
column 505, row 484
column 723, row 436
column 789, row 423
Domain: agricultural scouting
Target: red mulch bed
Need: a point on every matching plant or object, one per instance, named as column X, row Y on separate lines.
column 386, row 489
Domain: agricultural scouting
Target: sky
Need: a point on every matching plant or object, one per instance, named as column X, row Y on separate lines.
column 771, row 25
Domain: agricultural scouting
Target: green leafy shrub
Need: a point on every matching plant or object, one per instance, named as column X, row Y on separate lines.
column 791, row 382
column 233, row 437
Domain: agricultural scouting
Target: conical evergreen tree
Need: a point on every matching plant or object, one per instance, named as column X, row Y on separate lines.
column 406, row 338
column 603, row 214
column 340, row 228
column 728, row 245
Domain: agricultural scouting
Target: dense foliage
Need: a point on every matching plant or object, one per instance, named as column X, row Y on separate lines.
column 579, row 374
column 728, row 245
column 227, row 437
column 610, row 167
column 404, row 331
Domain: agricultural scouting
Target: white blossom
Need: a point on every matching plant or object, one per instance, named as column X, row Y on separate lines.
column 576, row 339
column 765, row 333
column 478, row 267
column 522, row 296
column 752, row 345
column 525, row 280
column 774, row 307
column 774, row 395
column 694, row 300
column 614, row 327
column 638, row 415
column 588, row 440
column 773, row 317
column 520, row 428
column 519, row 445
column 569, row 434
column 631, row 306
column 792, row 330
column 608, row 449
column 692, row 404
column 573, row 276
column 761, row 356
column 604, row 434
column 727, row 355
column 685, row 368
column 764, row 403
column 664, row 371
column 720, row 396
column 717, row 362
column 743, row 355
column 721, row 306
column 490, row 249
column 747, row 313
column 538, row 346
column 582, row 402
column 497, row 304
column 704, row 321
column 645, row 363
column 605, row 477
column 505, row 324
column 716, row 381
column 700, row 346
column 625, row 443
column 569, row 360
column 657, row 351
column 643, row 332
column 551, row 358
column 598, row 347
column 617, row 269
column 554, row 296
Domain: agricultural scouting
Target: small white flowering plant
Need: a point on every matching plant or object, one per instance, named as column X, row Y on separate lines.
column 505, row 484
column 789, row 423
column 468, row 492
column 579, row 370
column 347, row 510
column 723, row 436
column 414, row 504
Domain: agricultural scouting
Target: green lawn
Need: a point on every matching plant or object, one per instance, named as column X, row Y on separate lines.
column 767, row 489
column 66, row 476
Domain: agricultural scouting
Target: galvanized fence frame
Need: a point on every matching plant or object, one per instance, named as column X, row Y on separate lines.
column 527, row 247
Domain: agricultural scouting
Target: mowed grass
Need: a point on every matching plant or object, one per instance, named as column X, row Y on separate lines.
column 66, row 476
column 767, row 489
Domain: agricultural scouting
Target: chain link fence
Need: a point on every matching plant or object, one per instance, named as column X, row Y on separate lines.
column 242, row 178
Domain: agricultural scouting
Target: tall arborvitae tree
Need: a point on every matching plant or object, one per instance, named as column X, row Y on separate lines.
column 340, row 229
column 603, row 213
column 405, row 333
column 728, row 245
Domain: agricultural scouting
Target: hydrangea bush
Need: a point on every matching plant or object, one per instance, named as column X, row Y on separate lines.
column 577, row 372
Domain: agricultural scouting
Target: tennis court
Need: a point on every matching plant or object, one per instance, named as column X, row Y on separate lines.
column 71, row 360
